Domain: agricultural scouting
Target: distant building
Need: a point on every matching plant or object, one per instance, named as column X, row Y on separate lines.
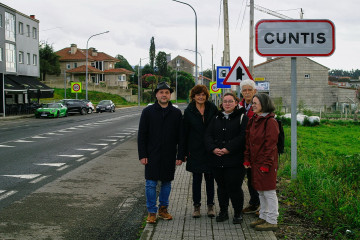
column 101, row 67
column 19, row 61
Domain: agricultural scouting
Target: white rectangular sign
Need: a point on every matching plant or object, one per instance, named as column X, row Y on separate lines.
column 310, row 37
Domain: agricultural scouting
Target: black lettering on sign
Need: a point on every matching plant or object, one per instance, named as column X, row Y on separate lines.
column 321, row 38
column 278, row 38
column 266, row 38
column 296, row 38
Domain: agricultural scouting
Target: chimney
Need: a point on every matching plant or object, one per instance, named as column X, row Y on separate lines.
column 94, row 52
column 32, row 16
column 73, row 48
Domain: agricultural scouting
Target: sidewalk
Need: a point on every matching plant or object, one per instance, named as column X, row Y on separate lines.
column 185, row 227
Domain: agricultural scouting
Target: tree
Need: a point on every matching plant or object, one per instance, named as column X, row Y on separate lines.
column 185, row 83
column 123, row 63
column 207, row 73
column 152, row 52
column 147, row 70
column 161, row 63
column 49, row 61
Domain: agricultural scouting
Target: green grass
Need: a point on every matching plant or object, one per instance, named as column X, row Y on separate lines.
column 327, row 187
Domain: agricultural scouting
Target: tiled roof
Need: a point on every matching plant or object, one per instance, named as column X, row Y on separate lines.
column 82, row 69
column 201, row 76
column 183, row 58
column 119, row 70
column 65, row 55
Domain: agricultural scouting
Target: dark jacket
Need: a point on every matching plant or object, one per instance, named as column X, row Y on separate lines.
column 261, row 151
column 229, row 134
column 194, row 128
column 160, row 132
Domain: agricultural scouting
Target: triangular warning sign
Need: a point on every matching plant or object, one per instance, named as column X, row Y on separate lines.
column 237, row 73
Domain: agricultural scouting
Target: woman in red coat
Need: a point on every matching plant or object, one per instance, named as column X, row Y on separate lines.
column 261, row 155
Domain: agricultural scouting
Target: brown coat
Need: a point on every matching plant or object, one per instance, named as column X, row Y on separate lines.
column 261, row 151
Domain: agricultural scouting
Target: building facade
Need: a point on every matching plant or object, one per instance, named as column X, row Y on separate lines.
column 19, row 61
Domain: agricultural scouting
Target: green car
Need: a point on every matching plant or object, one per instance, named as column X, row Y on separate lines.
column 51, row 110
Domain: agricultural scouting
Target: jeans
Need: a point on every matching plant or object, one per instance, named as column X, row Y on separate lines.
column 269, row 206
column 196, row 188
column 150, row 191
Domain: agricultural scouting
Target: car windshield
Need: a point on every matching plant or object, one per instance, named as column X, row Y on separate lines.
column 104, row 102
column 51, row 105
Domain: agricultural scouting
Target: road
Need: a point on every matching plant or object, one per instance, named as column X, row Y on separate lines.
column 71, row 178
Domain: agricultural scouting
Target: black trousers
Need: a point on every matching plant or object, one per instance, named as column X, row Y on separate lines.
column 196, row 188
column 229, row 182
column 254, row 195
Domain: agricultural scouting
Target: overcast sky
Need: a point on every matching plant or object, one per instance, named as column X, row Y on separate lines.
column 132, row 23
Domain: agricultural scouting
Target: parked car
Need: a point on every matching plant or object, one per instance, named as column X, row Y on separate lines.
column 105, row 106
column 51, row 110
column 90, row 105
column 75, row 106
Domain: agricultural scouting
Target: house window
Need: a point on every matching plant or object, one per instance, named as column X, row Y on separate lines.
column 122, row 78
column 75, row 65
column 10, row 54
column 21, row 57
column 68, row 66
column 34, row 33
column 307, row 76
column 28, row 59
column 93, row 64
column 28, row 30
column 21, row 28
column 110, row 65
column 9, row 27
column 34, row 59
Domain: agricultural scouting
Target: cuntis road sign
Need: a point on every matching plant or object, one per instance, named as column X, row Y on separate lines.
column 294, row 38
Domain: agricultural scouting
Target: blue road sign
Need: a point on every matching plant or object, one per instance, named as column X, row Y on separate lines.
column 221, row 72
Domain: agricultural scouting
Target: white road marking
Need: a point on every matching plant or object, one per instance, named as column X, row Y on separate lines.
column 36, row 137
column 54, row 134
column 22, row 141
column 72, row 128
column 39, row 179
column 62, row 168
column 99, row 144
column 108, row 140
column 6, row 146
column 1, row 191
column 93, row 153
column 125, row 133
column 117, row 136
column 71, row 156
column 86, row 149
column 106, row 147
column 8, row 194
column 64, row 131
column 81, row 159
column 114, row 143
column 25, row 176
column 50, row 164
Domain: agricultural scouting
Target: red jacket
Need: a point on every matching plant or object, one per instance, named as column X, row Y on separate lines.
column 261, row 151
column 250, row 113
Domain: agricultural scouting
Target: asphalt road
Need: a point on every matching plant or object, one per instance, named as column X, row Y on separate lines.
column 71, row 178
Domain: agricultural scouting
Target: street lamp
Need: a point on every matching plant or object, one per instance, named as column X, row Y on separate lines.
column 139, row 82
column 86, row 72
column 196, row 65
column 202, row 73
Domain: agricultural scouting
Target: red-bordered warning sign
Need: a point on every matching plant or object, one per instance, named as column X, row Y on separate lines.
column 76, row 87
column 238, row 72
column 214, row 88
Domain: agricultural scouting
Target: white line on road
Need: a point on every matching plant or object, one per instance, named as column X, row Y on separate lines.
column 108, row 140
column 86, row 149
column 50, row 164
column 71, row 156
column 93, row 153
column 6, row 146
column 99, row 144
column 81, row 159
column 22, row 141
column 58, row 134
column 38, row 137
column 24, row 176
column 62, row 168
column 8, row 194
column 117, row 136
column 36, row 180
column 1, row 191
column 105, row 147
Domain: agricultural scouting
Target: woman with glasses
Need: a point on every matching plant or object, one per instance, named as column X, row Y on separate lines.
column 225, row 140
column 261, row 156
column 197, row 116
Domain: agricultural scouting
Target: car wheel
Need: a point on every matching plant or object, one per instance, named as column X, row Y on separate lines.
column 83, row 111
column 66, row 114
column 57, row 114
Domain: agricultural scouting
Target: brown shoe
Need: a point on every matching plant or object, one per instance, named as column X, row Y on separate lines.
column 257, row 222
column 163, row 213
column 196, row 213
column 251, row 209
column 266, row 227
column 211, row 212
column 151, row 218
column 257, row 213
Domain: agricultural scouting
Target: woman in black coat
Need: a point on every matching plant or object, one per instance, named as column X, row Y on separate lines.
column 196, row 118
column 225, row 139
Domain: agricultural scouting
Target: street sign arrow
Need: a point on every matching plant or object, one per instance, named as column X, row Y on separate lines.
column 237, row 73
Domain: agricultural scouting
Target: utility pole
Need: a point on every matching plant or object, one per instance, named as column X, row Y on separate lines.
column 251, row 40
column 226, row 57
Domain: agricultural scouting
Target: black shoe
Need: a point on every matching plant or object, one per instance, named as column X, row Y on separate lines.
column 223, row 216
column 238, row 218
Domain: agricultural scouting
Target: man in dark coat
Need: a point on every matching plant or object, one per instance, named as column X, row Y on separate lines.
column 159, row 138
